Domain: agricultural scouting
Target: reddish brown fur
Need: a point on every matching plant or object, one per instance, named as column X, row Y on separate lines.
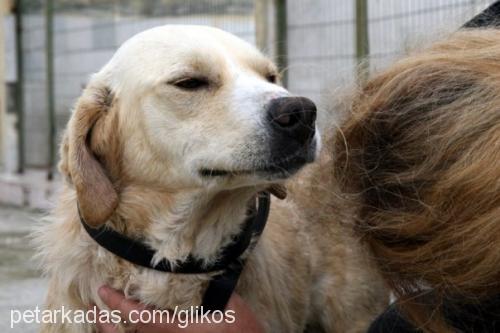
column 97, row 197
column 420, row 160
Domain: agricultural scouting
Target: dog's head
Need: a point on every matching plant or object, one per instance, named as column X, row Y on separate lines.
column 182, row 107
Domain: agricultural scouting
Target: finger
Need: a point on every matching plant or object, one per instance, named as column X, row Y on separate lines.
column 235, row 302
column 243, row 315
column 115, row 300
column 102, row 327
column 160, row 321
column 106, row 328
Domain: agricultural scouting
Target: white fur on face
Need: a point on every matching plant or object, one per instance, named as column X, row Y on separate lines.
column 221, row 127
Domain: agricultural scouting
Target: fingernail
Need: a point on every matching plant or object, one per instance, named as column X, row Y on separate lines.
column 103, row 292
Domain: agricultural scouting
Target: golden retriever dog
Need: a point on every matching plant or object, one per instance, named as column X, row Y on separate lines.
column 168, row 144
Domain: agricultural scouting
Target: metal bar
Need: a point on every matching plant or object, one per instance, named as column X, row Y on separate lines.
column 261, row 24
column 362, row 39
column 20, row 86
column 6, row 7
column 282, row 39
column 3, row 94
column 49, row 57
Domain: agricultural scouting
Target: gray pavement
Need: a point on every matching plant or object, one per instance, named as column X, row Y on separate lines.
column 21, row 287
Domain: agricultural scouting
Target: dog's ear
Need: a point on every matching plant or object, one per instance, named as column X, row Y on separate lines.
column 97, row 198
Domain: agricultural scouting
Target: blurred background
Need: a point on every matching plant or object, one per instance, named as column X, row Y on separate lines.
column 48, row 49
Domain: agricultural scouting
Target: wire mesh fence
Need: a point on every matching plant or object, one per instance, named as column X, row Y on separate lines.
column 321, row 44
column 86, row 33
column 322, row 37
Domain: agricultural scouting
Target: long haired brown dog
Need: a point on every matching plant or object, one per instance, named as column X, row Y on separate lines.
column 420, row 157
column 169, row 144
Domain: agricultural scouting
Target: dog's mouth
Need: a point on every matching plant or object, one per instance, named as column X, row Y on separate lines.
column 282, row 168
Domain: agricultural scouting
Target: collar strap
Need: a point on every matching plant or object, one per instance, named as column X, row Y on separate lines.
column 140, row 254
column 230, row 265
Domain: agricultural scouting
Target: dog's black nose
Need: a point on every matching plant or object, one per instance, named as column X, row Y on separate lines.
column 293, row 117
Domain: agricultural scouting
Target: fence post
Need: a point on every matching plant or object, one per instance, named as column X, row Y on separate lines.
column 362, row 39
column 18, row 10
column 3, row 11
column 49, row 57
column 262, row 24
column 282, row 39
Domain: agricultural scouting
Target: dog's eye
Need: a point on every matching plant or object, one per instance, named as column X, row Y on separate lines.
column 191, row 83
column 271, row 78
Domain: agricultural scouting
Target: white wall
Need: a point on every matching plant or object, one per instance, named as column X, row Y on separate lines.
column 36, row 119
column 10, row 48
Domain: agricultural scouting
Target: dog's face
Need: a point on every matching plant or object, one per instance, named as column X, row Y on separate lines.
column 209, row 106
column 199, row 107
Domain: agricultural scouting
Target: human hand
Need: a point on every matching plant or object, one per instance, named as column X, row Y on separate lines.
column 244, row 319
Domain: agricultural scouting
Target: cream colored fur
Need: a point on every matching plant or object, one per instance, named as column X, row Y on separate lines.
column 131, row 157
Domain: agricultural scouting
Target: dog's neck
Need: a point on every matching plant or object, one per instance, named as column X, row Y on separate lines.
column 193, row 222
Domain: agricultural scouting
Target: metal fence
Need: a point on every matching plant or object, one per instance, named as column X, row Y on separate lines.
column 84, row 35
column 322, row 38
column 318, row 38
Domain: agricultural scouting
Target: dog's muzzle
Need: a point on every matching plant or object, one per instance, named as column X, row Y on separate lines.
column 292, row 119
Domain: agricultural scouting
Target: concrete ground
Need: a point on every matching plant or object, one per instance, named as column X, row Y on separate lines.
column 21, row 286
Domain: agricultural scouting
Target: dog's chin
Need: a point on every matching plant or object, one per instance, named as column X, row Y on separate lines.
column 270, row 170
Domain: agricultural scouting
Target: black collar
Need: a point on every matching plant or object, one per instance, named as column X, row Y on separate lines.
column 230, row 263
